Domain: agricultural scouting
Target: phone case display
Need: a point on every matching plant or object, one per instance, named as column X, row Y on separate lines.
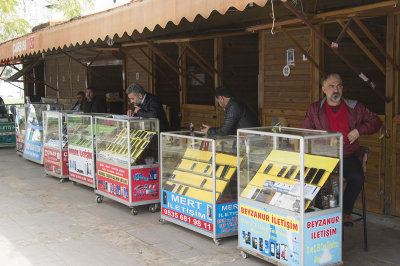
column 128, row 161
column 33, row 147
column 7, row 125
column 290, row 195
column 199, row 183
column 20, row 128
column 56, row 143
column 81, row 148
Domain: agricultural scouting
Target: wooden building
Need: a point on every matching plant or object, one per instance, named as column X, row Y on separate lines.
column 182, row 50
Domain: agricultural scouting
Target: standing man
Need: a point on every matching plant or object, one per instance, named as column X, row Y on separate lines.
column 80, row 98
column 146, row 105
column 237, row 115
column 3, row 110
column 352, row 119
column 93, row 103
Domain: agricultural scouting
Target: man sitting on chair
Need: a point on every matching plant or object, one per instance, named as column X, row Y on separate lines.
column 352, row 119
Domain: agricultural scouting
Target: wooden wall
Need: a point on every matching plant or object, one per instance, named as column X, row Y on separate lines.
column 135, row 73
column 290, row 96
column 395, row 208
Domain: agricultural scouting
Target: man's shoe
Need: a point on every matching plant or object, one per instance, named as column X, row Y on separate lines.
column 348, row 220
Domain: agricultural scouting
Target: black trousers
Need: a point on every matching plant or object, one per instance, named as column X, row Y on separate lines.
column 353, row 172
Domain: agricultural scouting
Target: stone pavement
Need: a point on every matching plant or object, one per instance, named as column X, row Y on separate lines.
column 44, row 222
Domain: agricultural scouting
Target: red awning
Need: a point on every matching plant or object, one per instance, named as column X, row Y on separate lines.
column 127, row 18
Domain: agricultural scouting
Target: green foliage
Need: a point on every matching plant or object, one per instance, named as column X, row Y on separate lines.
column 71, row 8
column 11, row 25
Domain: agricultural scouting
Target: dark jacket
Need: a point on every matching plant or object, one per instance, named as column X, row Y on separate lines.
column 152, row 108
column 97, row 105
column 360, row 118
column 237, row 115
column 3, row 110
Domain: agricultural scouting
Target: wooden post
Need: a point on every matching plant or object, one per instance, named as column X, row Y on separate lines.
column 317, row 50
column 182, row 79
column 261, row 75
column 389, row 111
column 218, row 65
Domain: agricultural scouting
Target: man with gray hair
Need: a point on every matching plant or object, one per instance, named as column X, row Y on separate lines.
column 352, row 119
column 146, row 105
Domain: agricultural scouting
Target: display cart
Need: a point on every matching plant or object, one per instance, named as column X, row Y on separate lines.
column 127, row 160
column 290, row 195
column 7, row 125
column 81, row 148
column 199, row 183
column 55, row 142
column 20, row 128
column 33, row 147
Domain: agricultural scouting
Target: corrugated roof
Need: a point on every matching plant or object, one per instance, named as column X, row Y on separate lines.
column 127, row 18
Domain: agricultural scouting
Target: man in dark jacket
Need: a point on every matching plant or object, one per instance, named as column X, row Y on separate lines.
column 146, row 105
column 237, row 115
column 93, row 103
column 80, row 98
column 352, row 119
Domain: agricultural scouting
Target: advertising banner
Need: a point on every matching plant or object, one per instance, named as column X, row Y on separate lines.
column 81, row 162
column 274, row 235
column 323, row 237
column 54, row 163
column 113, row 180
column 7, row 134
column 33, row 150
column 227, row 217
column 20, row 140
column 188, row 210
column 145, row 184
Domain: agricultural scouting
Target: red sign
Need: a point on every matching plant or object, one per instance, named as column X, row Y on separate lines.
column 20, row 140
column 113, row 180
column 145, row 185
column 52, row 161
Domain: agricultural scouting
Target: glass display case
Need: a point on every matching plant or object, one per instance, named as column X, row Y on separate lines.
column 199, row 183
column 127, row 160
column 7, row 125
column 55, row 142
column 20, row 128
column 33, row 147
column 81, row 148
column 290, row 195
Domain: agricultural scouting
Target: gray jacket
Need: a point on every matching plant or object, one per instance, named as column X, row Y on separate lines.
column 237, row 115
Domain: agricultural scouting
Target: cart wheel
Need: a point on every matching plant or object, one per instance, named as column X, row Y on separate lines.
column 216, row 242
column 244, row 254
column 134, row 211
column 153, row 208
column 73, row 183
column 99, row 199
column 162, row 221
column 62, row 180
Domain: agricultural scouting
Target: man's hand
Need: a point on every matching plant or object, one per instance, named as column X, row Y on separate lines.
column 204, row 128
column 130, row 113
column 137, row 108
column 353, row 135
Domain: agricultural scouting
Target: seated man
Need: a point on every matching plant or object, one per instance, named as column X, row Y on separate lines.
column 80, row 98
column 237, row 115
column 146, row 105
column 93, row 103
column 352, row 119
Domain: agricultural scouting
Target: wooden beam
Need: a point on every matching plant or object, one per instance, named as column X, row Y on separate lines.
column 261, row 72
column 361, row 75
column 207, row 70
column 317, row 50
column 33, row 80
column 126, row 53
column 309, row 57
column 341, row 34
column 182, row 79
column 375, row 42
column 201, row 58
column 363, row 47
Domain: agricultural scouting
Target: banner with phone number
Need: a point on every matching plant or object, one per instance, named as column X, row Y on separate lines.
column 269, row 233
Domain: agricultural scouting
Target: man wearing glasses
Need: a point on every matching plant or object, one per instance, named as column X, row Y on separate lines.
column 352, row 119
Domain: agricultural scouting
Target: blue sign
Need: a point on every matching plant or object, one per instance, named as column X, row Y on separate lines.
column 33, row 150
column 271, row 234
column 189, row 210
column 323, row 239
column 227, row 217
